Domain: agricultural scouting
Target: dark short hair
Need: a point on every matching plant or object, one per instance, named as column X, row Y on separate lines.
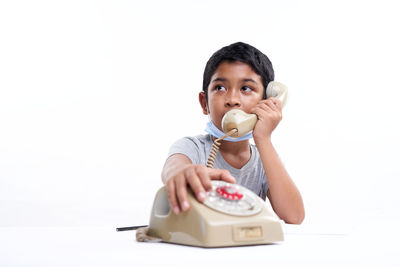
column 242, row 52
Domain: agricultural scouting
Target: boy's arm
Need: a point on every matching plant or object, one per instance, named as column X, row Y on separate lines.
column 178, row 172
column 282, row 193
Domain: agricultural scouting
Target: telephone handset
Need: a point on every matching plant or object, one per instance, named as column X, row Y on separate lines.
column 237, row 123
column 243, row 122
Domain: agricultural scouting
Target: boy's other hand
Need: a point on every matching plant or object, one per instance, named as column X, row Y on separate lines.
column 269, row 114
column 198, row 177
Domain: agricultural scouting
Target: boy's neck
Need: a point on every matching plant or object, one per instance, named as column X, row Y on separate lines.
column 234, row 147
column 236, row 154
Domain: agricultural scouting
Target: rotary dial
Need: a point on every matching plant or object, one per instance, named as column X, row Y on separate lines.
column 233, row 199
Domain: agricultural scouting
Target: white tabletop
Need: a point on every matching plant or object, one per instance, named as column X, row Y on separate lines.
column 372, row 243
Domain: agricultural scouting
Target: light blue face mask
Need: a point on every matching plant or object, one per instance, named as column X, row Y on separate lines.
column 214, row 131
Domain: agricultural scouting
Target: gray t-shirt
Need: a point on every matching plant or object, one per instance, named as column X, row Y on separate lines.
column 251, row 175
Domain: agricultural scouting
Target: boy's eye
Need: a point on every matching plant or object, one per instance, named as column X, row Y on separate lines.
column 219, row 88
column 247, row 89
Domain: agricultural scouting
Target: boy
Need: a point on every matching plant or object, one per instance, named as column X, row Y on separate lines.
column 236, row 76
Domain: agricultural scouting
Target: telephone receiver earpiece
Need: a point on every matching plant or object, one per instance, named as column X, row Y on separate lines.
column 244, row 122
column 277, row 90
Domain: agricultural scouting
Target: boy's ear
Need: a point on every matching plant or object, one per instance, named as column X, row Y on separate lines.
column 203, row 103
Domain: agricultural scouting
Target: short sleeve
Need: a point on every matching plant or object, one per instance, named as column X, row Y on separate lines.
column 189, row 147
column 264, row 188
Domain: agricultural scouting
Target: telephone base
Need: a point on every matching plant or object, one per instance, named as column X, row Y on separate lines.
column 203, row 226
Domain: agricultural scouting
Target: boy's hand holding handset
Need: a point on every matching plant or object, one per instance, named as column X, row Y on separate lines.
column 269, row 111
column 269, row 114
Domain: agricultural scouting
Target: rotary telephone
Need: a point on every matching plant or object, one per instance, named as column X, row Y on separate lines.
column 231, row 215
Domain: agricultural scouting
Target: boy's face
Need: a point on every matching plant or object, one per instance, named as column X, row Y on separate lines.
column 233, row 85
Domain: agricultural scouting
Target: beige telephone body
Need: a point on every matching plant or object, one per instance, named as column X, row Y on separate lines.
column 231, row 215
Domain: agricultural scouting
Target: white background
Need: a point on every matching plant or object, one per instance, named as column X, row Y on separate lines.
column 93, row 93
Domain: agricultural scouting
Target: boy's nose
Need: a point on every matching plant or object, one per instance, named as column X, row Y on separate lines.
column 232, row 99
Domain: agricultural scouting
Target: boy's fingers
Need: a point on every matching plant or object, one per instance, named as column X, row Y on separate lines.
column 261, row 109
column 204, row 177
column 217, row 174
column 265, row 106
column 277, row 103
column 181, row 192
column 271, row 104
column 195, row 184
column 172, row 196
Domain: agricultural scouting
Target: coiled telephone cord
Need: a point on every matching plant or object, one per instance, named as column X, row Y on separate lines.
column 215, row 147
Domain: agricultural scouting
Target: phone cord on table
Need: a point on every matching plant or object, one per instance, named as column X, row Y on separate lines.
column 215, row 148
